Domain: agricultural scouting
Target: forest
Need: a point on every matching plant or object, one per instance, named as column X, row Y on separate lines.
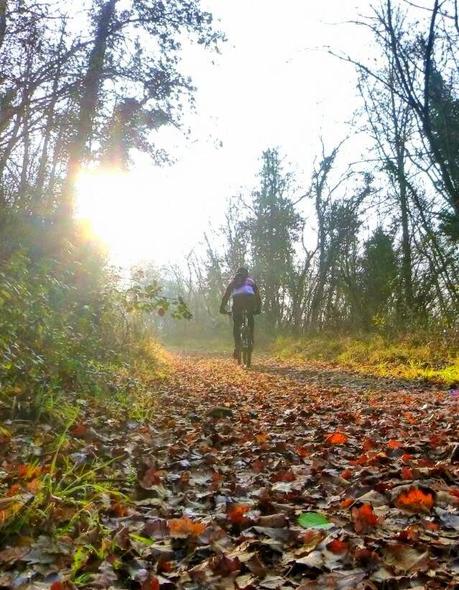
column 134, row 452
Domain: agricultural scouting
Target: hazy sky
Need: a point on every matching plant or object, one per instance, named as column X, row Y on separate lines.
column 272, row 85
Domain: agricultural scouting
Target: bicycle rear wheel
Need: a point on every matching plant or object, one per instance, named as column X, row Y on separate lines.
column 247, row 356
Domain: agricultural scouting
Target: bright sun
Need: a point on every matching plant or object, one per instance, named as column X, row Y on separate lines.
column 119, row 207
column 151, row 212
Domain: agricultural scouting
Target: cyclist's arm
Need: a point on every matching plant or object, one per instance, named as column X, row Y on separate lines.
column 226, row 298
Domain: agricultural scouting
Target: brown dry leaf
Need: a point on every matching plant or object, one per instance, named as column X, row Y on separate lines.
column 223, row 565
column 273, row 520
column 151, row 477
column 405, row 558
column 245, row 582
column 310, row 541
column 335, row 581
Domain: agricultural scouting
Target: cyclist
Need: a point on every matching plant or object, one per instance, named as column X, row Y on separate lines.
column 246, row 296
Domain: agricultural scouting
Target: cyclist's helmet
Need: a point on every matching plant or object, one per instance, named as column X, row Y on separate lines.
column 242, row 272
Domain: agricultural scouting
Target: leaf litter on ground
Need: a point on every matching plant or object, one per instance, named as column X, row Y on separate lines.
column 241, row 479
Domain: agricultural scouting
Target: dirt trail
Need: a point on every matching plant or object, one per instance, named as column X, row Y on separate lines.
column 283, row 476
column 258, row 448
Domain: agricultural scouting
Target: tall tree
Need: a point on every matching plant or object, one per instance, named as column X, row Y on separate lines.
column 84, row 88
column 418, row 42
column 379, row 275
column 274, row 226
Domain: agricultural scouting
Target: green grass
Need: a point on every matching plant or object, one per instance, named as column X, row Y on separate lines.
column 413, row 357
column 59, row 494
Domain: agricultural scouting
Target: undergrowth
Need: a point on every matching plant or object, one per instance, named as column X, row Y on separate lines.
column 57, row 476
column 431, row 358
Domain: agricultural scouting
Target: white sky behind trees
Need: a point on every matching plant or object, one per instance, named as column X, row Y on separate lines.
column 273, row 84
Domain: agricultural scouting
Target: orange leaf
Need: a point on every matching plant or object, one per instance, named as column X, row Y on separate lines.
column 346, row 474
column 151, row 584
column 336, row 438
column 410, row 418
column 28, row 471
column 258, row 466
column 14, row 490
column 410, row 533
column 432, row 526
column 346, row 502
column 364, row 518
column 185, row 527
column 436, row 440
column 120, row 510
column 303, row 452
column 165, row 567
column 216, row 479
column 34, row 485
column 407, row 473
column 394, row 444
column 286, row 475
column 79, row 430
column 415, row 500
column 236, row 513
column 262, row 437
column 337, row 546
column 60, row 585
column 361, row 460
column 425, row 462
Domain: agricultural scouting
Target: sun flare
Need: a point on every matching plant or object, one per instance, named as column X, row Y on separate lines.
column 119, row 206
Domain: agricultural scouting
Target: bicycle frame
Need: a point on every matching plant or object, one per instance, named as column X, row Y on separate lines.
column 246, row 341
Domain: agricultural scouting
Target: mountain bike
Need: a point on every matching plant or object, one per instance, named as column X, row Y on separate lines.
column 244, row 354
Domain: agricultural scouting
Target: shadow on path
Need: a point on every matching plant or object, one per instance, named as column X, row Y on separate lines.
column 330, row 376
column 319, row 374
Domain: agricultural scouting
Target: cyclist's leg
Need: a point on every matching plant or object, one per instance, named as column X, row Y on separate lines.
column 250, row 305
column 251, row 319
column 237, row 322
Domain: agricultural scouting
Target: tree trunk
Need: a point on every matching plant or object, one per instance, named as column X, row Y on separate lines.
column 88, row 103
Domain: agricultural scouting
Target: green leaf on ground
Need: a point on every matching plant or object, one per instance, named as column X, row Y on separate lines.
column 315, row 520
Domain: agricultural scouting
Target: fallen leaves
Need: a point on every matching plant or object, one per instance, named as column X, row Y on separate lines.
column 363, row 518
column 405, row 558
column 336, row 438
column 180, row 528
column 313, row 520
column 237, row 513
column 278, row 478
column 415, row 499
column 152, row 477
column 338, row 547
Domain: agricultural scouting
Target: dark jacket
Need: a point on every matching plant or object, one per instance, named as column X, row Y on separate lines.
column 245, row 292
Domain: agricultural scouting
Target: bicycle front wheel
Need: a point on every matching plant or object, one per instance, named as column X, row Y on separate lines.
column 247, row 357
